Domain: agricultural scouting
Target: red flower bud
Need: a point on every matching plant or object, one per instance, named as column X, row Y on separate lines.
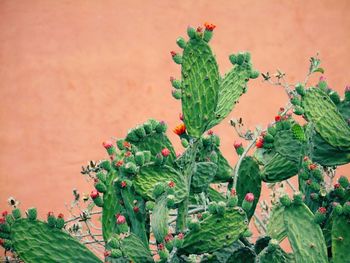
column 306, row 158
column 337, row 185
column 123, row 184
column 171, row 184
column 322, row 210
column 210, row 132
column 259, row 143
column 136, row 209
column 173, row 53
column 107, row 144
column 50, row 214
column 4, row 213
column 233, row 192
column 119, row 163
column 160, row 246
column 2, row 221
column 107, row 253
column 237, row 145
column 277, row 118
column 249, row 197
column 60, row 215
column 126, row 144
column 94, row 194
column 168, row 238
column 180, row 236
column 199, row 29
column 165, row 152
column 120, row 219
column 312, row 166
column 127, row 154
column 181, row 116
column 209, row 26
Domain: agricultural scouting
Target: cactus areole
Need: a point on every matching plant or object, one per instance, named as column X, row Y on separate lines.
column 149, row 204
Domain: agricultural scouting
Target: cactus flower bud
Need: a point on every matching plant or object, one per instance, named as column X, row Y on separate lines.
column 320, row 215
column 176, row 57
column 136, row 209
column 169, row 237
column 248, row 202
column 277, row 118
column 107, row 253
column 239, row 148
column 259, row 143
column 2, row 221
column 171, row 184
column 322, row 210
column 181, row 116
column 107, row 144
column 161, row 246
column 336, row 185
column 120, row 219
column 312, row 166
column 209, row 26
column 123, row 184
column 180, row 129
column 4, row 213
column 173, row 53
column 94, row 194
column 165, row 152
column 237, row 145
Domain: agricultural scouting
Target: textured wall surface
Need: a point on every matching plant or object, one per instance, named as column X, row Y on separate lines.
column 75, row 72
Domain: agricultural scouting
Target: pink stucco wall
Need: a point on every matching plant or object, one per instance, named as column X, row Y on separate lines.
column 75, row 72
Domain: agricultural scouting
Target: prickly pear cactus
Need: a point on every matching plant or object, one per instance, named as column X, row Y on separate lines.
column 157, row 206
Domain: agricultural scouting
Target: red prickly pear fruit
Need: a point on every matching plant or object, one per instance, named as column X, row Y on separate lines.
column 322, row 210
column 233, row 192
column 278, row 118
column 259, row 143
column 4, row 213
column 119, row 163
column 169, row 237
column 210, row 132
column 336, row 185
column 107, row 144
column 306, row 158
column 165, row 152
column 171, row 184
column 199, row 29
column 180, row 129
column 237, row 145
column 136, row 209
column 173, row 53
column 209, row 26
column 94, row 194
column 123, row 184
column 50, row 214
column 249, row 197
column 312, row 166
column 161, row 246
column 2, row 221
column 120, row 219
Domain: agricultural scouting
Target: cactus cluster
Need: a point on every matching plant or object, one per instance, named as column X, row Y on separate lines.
column 159, row 206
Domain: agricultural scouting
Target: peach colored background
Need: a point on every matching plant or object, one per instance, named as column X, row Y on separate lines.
column 75, row 72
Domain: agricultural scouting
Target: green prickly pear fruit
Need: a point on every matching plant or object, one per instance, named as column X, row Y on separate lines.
column 191, row 32
column 337, row 208
column 175, row 83
column 248, row 202
column 130, row 168
column 213, row 157
column 32, row 213
column 16, row 213
column 150, row 205
column 148, row 127
column 334, row 97
column 268, row 138
column 346, row 208
column 113, row 242
column 181, row 42
column 184, row 143
column 304, row 175
column 116, row 253
column 239, row 148
column 147, row 155
column 272, row 130
column 254, row 74
column 212, row 207
column 60, row 221
column 176, row 57
column 344, row 182
column 161, row 127
column 298, row 198
column 4, row 226
column 233, row 59
column 120, row 144
column 285, row 200
column 295, row 101
column 221, row 208
column 176, row 94
column 298, row 110
column 101, row 176
column 140, row 131
column 51, row 219
column 240, row 58
column 108, row 145
column 170, row 201
column 158, row 190
column 299, row 88
column 100, row 186
column 106, row 165
column 233, row 198
column 320, row 215
column 140, row 158
column 194, row 225
column 159, row 160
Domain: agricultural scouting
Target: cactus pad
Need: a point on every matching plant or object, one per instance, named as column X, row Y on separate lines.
column 340, row 239
column 202, row 176
column 135, row 249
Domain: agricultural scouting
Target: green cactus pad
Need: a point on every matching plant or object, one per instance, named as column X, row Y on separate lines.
column 328, row 122
column 298, row 132
column 36, row 242
column 232, row 86
column 341, row 239
column 203, row 175
column 151, row 174
column 200, row 86
column 279, row 168
column 216, row 231
column 287, row 145
column 137, row 219
column 135, row 250
column 111, row 207
column 276, row 228
column 304, row 235
column 159, row 219
column 249, row 181
column 326, row 154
